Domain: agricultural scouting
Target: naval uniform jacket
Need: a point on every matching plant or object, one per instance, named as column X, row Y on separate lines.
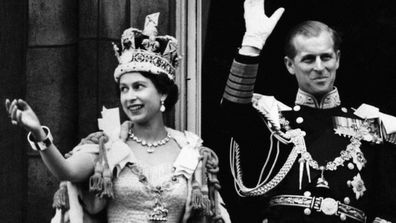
column 316, row 119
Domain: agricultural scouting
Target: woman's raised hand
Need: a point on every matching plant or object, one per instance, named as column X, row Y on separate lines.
column 23, row 115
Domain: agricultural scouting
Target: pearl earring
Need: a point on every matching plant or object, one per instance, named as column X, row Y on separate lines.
column 162, row 108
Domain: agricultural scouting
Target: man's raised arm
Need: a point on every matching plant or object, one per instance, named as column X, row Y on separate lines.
column 240, row 83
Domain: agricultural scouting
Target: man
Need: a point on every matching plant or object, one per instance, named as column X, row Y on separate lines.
column 319, row 162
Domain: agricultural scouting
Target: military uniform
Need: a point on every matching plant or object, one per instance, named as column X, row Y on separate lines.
column 340, row 169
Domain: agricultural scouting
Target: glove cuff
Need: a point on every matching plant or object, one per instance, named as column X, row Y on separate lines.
column 253, row 40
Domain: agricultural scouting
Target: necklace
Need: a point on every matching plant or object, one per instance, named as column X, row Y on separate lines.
column 150, row 146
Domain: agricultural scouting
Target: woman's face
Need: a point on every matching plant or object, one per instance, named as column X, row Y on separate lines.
column 140, row 98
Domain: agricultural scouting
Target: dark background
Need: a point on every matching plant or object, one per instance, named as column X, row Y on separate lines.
column 55, row 53
column 367, row 70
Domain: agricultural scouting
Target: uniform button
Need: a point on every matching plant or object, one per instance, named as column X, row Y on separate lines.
column 343, row 109
column 343, row 217
column 307, row 211
column 307, row 194
column 299, row 120
column 347, row 200
column 351, row 166
column 297, row 108
column 349, row 183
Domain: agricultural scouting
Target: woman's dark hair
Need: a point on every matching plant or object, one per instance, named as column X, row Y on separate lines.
column 164, row 86
column 310, row 29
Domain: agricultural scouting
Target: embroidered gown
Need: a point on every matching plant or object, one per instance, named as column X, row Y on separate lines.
column 137, row 190
column 147, row 193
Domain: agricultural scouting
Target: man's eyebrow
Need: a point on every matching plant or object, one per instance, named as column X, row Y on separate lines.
column 308, row 56
column 326, row 54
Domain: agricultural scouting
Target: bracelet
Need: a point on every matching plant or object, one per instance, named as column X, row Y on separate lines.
column 42, row 145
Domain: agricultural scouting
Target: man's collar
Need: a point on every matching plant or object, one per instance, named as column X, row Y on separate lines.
column 329, row 100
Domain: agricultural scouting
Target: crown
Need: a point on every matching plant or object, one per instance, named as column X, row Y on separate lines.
column 145, row 51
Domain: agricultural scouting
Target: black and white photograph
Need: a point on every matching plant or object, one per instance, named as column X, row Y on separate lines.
column 200, row 111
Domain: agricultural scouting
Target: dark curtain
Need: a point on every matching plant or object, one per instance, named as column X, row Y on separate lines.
column 13, row 171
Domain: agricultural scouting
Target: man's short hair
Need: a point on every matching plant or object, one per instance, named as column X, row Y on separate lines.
column 309, row 29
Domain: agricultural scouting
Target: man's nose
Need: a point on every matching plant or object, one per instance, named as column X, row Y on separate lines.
column 319, row 64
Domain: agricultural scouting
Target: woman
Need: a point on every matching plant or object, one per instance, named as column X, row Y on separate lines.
column 141, row 171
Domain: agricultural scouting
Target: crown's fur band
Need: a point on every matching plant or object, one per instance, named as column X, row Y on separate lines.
column 144, row 61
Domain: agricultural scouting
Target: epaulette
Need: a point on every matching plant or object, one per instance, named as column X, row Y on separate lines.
column 387, row 123
column 348, row 127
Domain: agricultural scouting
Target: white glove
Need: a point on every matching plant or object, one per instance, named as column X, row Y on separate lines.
column 258, row 25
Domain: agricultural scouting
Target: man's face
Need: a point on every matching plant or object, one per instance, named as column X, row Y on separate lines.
column 315, row 63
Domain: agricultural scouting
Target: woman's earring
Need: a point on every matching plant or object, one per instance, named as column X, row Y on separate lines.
column 162, row 108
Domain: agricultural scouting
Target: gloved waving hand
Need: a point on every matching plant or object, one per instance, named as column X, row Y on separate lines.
column 258, row 25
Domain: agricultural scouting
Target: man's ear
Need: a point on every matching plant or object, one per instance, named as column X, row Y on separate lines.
column 289, row 65
column 338, row 53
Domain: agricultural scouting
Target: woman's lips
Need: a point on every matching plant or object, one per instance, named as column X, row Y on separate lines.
column 134, row 108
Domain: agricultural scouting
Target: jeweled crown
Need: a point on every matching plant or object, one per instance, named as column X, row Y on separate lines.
column 144, row 50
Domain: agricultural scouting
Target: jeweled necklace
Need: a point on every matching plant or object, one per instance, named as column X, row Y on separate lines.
column 150, row 146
